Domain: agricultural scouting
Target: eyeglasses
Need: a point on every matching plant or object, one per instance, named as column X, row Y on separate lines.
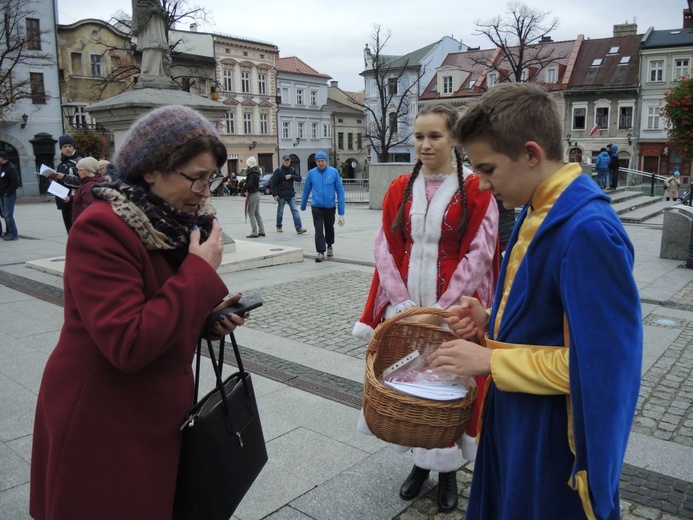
column 199, row 185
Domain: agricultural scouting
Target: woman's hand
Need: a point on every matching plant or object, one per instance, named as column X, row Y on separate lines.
column 228, row 324
column 212, row 250
column 462, row 357
column 470, row 320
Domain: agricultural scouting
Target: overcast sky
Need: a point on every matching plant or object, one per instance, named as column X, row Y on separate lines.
column 330, row 35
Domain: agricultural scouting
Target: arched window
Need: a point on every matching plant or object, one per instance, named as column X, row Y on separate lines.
column 575, row 155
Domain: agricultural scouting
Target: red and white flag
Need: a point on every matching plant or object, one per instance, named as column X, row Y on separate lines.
column 594, row 130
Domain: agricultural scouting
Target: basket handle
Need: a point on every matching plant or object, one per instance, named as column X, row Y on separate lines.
column 385, row 326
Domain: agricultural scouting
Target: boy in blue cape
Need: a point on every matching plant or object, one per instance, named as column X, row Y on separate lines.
column 563, row 341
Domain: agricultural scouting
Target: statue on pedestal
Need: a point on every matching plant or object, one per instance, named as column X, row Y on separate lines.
column 150, row 28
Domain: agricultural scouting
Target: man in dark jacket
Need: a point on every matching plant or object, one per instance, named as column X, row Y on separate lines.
column 9, row 182
column 613, row 165
column 282, row 186
column 67, row 176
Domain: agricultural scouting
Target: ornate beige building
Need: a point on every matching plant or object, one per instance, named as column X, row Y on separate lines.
column 246, row 82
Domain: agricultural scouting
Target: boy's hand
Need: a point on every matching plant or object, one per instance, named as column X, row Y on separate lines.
column 462, row 358
column 470, row 320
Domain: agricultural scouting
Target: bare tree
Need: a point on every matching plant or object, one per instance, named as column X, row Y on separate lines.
column 519, row 35
column 388, row 121
column 21, row 41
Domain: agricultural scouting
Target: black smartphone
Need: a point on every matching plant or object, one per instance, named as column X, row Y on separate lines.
column 245, row 304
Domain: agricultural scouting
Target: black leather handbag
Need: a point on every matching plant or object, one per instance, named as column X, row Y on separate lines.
column 223, row 448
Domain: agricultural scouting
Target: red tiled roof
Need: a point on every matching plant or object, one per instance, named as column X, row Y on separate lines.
column 294, row 65
column 610, row 72
column 358, row 97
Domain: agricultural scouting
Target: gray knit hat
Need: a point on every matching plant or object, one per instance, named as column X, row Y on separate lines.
column 154, row 137
column 88, row 163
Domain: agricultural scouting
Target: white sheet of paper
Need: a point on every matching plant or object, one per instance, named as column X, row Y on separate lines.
column 46, row 170
column 58, row 190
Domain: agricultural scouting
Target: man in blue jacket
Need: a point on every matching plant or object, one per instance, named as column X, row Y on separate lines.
column 324, row 183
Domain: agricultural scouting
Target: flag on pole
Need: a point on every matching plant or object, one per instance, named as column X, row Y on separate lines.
column 594, row 130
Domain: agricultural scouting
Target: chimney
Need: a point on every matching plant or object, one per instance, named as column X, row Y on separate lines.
column 545, row 39
column 687, row 20
column 334, row 84
column 193, row 27
column 625, row 29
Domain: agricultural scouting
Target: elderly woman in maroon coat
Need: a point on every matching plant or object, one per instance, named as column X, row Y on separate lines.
column 140, row 281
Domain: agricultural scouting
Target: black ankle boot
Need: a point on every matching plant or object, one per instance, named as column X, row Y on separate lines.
column 447, row 491
column 412, row 485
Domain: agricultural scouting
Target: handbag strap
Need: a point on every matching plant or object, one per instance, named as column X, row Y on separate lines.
column 217, row 365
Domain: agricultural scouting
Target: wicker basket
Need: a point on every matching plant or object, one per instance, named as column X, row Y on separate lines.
column 407, row 420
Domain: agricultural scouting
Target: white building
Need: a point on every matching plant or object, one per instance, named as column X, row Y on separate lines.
column 29, row 128
column 305, row 125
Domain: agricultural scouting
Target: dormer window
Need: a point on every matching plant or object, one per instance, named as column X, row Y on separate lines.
column 492, row 78
column 447, row 84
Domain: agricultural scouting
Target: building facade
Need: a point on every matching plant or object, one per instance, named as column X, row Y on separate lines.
column 304, row 121
column 348, row 131
column 665, row 56
column 246, row 83
column 30, row 126
column 404, row 78
column 601, row 100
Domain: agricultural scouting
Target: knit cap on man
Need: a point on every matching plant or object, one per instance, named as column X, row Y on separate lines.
column 154, row 137
column 65, row 139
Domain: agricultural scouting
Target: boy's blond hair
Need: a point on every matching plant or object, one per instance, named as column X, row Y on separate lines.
column 509, row 115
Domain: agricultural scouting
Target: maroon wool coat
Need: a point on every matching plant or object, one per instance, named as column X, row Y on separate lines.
column 83, row 197
column 117, row 386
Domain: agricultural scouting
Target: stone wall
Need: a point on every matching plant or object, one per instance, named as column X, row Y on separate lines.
column 379, row 178
column 676, row 232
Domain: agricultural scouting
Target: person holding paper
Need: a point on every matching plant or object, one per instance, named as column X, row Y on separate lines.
column 438, row 241
column 9, row 182
column 66, row 175
column 140, row 282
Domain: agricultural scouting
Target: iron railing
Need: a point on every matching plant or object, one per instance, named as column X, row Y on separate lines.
column 355, row 190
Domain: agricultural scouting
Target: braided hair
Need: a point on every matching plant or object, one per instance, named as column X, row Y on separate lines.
column 450, row 116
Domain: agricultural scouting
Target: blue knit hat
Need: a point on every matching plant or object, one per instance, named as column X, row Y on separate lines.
column 154, row 137
column 65, row 139
column 677, row 172
column 320, row 155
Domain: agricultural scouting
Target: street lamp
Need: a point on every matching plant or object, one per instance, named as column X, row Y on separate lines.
column 298, row 140
column 629, row 136
column 69, row 111
column 25, row 118
column 570, row 143
column 252, row 145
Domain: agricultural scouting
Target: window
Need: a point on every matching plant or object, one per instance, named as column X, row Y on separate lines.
column 350, row 141
column 326, row 130
column 245, row 82
column 471, row 84
column 579, row 118
column 38, row 91
column 313, row 98
column 613, row 50
column 286, row 130
column 653, row 118
column 392, row 86
column 340, row 120
column 681, row 68
column 551, row 75
column 524, row 75
column 656, row 71
column 624, row 60
column 230, row 123
column 314, row 133
column 447, row 84
column 340, row 140
column 299, row 96
column 301, row 130
column 96, row 65
column 262, row 83
column 76, row 63
column 597, row 62
column 359, row 141
column 392, row 120
column 625, row 118
column 228, row 80
column 248, row 123
column 264, row 124
column 492, row 78
column 33, row 34
column 285, row 95
column 601, row 117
